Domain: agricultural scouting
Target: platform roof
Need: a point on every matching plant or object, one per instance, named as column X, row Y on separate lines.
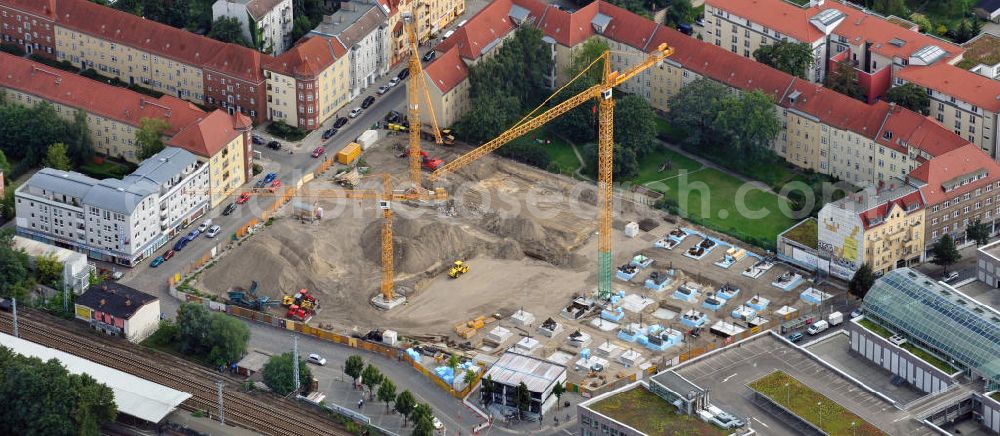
column 134, row 396
column 512, row 369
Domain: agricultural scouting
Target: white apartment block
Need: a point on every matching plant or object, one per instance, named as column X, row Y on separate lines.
column 363, row 29
column 121, row 221
column 76, row 269
column 267, row 24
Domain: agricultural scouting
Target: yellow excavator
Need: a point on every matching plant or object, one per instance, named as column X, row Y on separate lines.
column 457, row 269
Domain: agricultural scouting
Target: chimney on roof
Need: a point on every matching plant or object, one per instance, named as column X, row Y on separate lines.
column 128, row 302
column 101, row 303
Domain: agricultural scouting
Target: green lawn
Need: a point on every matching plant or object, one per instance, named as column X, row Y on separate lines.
column 995, row 396
column 805, row 233
column 645, row 411
column 812, row 406
column 106, row 169
column 560, row 151
column 649, row 166
column 916, row 351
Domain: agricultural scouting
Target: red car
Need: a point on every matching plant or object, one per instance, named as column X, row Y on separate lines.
column 168, row 254
column 318, row 152
column 276, row 183
column 244, row 197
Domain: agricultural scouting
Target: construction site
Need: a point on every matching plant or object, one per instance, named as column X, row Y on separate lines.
column 500, row 255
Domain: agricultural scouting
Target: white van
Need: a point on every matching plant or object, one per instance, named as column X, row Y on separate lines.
column 835, row 318
column 819, row 327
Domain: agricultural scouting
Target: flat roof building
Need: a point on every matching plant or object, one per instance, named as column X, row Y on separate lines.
column 940, row 319
column 117, row 309
column 540, row 376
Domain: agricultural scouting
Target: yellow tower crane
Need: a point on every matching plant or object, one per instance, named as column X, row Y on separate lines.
column 603, row 93
column 414, row 89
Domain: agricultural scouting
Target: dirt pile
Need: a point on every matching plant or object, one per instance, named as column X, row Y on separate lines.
column 535, row 241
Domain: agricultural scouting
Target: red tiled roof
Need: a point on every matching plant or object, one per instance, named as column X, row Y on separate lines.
column 39, row 7
column 108, row 101
column 626, row 27
column 488, row 25
column 880, row 211
column 952, row 165
column 915, row 130
column 123, row 28
column 208, row 134
column 836, row 109
column 307, row 58
column 956, row 82
column 779, row 15
column 448, row 70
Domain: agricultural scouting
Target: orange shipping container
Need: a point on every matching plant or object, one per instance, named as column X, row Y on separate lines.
column 349, row 153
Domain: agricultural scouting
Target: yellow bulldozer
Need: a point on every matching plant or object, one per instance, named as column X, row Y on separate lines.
column 458, row 269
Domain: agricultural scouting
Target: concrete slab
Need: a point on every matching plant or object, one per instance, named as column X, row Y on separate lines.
column 835, row 349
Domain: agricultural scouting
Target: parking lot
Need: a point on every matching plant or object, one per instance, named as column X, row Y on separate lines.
column 835, row 349
column 726, row 373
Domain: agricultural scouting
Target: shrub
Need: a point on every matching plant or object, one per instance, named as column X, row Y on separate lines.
column 11, row 48
column 285, row 131
column 257, row 169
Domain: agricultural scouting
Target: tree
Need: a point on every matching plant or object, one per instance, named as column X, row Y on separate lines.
column 279, row 375
column 791, row 57
column 300, row 27
column 56, row 157
column 80, row 148
column 624, row 164
column 149, row 137
column 44, row 398
column 586, row 54
column 522, row 399
column 469, row 377
column 979, row 232
column 49, row 270
column 4, row 164
column 423, row 426
column 404, row 404
column 635, row 125
column 228, row 29
column 494, row 112
column 910, row 96
column 922, row 22
column 193, row 323
column 422, row 411
column 13, row 270
column 371, row 377
column 695, row 108
column 747, row 123
column 453, row 362
column 486, row 387
column 558, row 390
column 217, row 336
column 862, row 281
column 944, row 253
column 353, row 367
column 386, row 393
column 679, row 12
column 844, row 80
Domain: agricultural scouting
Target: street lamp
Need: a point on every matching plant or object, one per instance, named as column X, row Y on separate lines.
column 854, row 428
column 819, row 406
column 788, row 394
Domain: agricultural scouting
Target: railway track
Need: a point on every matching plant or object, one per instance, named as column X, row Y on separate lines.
column 277, row 416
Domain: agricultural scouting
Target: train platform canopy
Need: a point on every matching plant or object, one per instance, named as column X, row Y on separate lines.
column 134, row 396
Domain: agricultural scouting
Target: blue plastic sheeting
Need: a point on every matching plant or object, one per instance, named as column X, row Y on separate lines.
column 694, row 322
column 713, row 307
column 445, row 373
column 626, row 335
column 413, row 354
column 654, row 329
column 760, row 305
column 613, row 315
column 585, row 353
column 727, row 294
column 623, row 276
column 685, row 297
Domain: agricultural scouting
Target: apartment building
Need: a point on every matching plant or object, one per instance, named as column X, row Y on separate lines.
column 362, row 29
column 882, row 227
column 223, row 143
column 120, row 221
column 447, row 87
column 876, row 47
column 309, row 83
column 267, row 24
column 29, row 24
column 959, row 187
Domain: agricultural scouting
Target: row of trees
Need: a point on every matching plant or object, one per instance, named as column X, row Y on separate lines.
column 26, row 133
column 522, row 396
column 44, row 398
column 218, row 338
column 951, row 18
column 739, row 125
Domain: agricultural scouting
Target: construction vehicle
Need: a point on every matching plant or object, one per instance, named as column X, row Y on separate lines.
column 426, row 161
column 303, row 299
column 297, row 313
column 457, row 269
column 603, row 92
column 249, row 298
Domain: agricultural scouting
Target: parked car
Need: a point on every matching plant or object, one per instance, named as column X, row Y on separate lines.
column 340, row 122
column 229, row 209
column 393, row 116
column 795, row 337
column 394, row 81
column 318, row 152
column 437, row 423
column 382, row 89
column 270, row 177
column 181, row 243
column 818, row 327
column 316, row 359
column 276, row 183
column 403, row 74
column 355, row 112
column 244, row 197
column 856, row 313
column 367, row 102
column 260, row 184
column 274, row 145
column 256, row 139
column 949, row 276
column 205, row 225
column 194, row 234
column 429, row 56
column 328, row 133
column 213, row 231
column 168, row 254
column 156, row 262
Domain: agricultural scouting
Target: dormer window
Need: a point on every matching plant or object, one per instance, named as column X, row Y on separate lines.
column 887, row 135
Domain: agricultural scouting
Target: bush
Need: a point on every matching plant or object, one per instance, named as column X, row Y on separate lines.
column 257, row 169
column 62, row 65
column 526, row 153
column 11, row 48
column 286, row 132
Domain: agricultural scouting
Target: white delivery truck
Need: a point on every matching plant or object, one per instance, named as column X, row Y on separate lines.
column 819, row 327
column 835, row 318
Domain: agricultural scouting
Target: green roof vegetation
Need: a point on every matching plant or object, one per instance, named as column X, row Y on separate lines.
column 985, row 50
column 812, row 406
column 805, row 233
column 913, row 349
column 645, row 411
column 995, row 396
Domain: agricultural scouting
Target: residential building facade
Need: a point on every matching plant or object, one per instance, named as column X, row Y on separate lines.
column 223, row 143
column 76, row 271
column 119, row 310
column 959, row 187
column 883, row 228
column 362, row 29
column 447, row 87
column 120, row 221
column 29, row 25
column 267, row 24
column 309, row 83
